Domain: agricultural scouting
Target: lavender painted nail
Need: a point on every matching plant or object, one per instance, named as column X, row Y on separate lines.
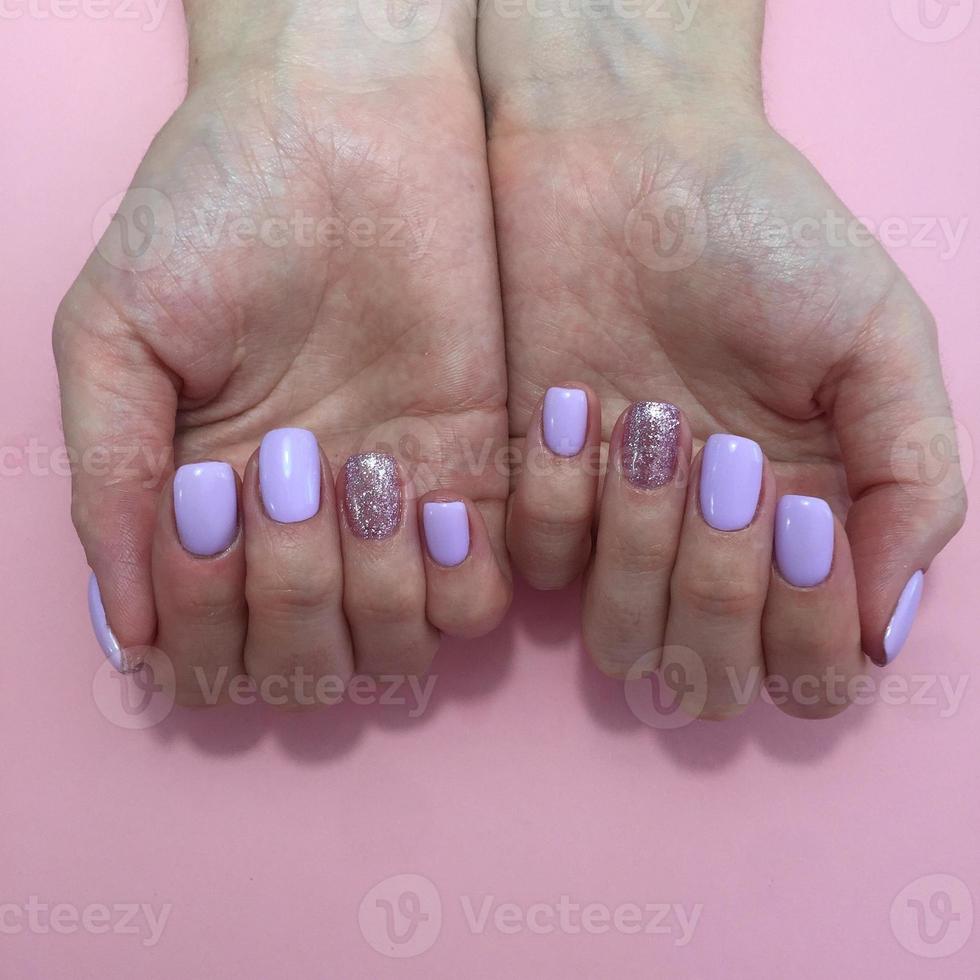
column 651, row 435
column 731, row 481
column 373, row 496
column 904, row 616
column 206, row 507
column 447, row 531
column 565, row 420
column 289, row 475
column 804, row 542
column 103, row 631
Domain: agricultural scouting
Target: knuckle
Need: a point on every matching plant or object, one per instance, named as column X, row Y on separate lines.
column 295, row 595
column 717, row 596
column 396, row 603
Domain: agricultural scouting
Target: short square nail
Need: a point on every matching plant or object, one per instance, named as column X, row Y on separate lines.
column 731, row 481
column 373, row 496
column 206, row 507
column 565, row 420
column 447, row 531
column 103, row 632
column 804, row 542
column 651, row 436
column 903, row 617
column 289, row 475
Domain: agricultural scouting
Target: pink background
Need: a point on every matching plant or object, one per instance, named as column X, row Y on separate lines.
column 528, row 777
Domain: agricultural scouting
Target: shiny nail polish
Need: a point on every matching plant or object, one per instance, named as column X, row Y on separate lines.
column 903, row 617
column 565, row 420
column 206, row 507
column 103, row 631
column 651, row 436
column 373, row 496
column 804, row 540
column 731, row 481
column 447, row 531
column 289, row 475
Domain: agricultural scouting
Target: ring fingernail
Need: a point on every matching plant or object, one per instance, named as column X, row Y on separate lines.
column 565, row 420
column 903, row 618
column 206, row 507
column 804, row 542
column 731, row 481
column 651, row 436
column 447, row 531
column 289, row 475
column 373, row 495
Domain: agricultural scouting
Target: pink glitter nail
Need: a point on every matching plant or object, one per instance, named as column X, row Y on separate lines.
column 651, row 431
column 373, row 496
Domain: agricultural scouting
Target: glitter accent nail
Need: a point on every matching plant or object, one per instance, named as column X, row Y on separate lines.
column 651, row 432
column 373, row 495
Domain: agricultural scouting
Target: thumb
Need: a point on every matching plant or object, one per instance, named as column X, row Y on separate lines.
column 118, row 411
column 898, row 439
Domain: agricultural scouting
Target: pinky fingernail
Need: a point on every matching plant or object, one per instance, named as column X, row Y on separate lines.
column 565, row 420
column 447, row 532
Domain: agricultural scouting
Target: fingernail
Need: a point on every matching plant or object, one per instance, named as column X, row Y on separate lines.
column 447, row 531
column 566, row 419
column 103, row 631
column 731, row 481
column 206, row 507
column 804, row 540
column 904, row 616
column 651, row 435
column 289, row 475
column 373, row 496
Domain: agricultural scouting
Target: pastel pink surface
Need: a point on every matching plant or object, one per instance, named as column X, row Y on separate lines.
column 528, row 777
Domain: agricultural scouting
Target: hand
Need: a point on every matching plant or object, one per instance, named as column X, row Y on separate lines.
column 308, row 244
column 659, row 242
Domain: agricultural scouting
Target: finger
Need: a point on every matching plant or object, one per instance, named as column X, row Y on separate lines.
column 384, row 574
column 467, row 591
column 199, row 582
column 298, row 648
column 549, row 529
column 118, row 410
column 810, row 628
column 898, row 438
column 720, row 580
column 628, row 586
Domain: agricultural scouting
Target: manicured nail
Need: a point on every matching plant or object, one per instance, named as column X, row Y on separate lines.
column 289, row 475
column 447, row 531
column 373, row 495
column 904, row 616
column 206, row 507
column 731, row 481
column 651, row 436
column 804, row 540
column 103, row 631
column 566, row 419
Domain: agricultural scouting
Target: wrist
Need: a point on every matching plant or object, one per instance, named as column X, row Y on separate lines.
column 555, row 63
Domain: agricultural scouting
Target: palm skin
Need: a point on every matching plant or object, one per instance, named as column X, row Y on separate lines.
column 328, row 263
column 704, row 262
column 744, row 336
